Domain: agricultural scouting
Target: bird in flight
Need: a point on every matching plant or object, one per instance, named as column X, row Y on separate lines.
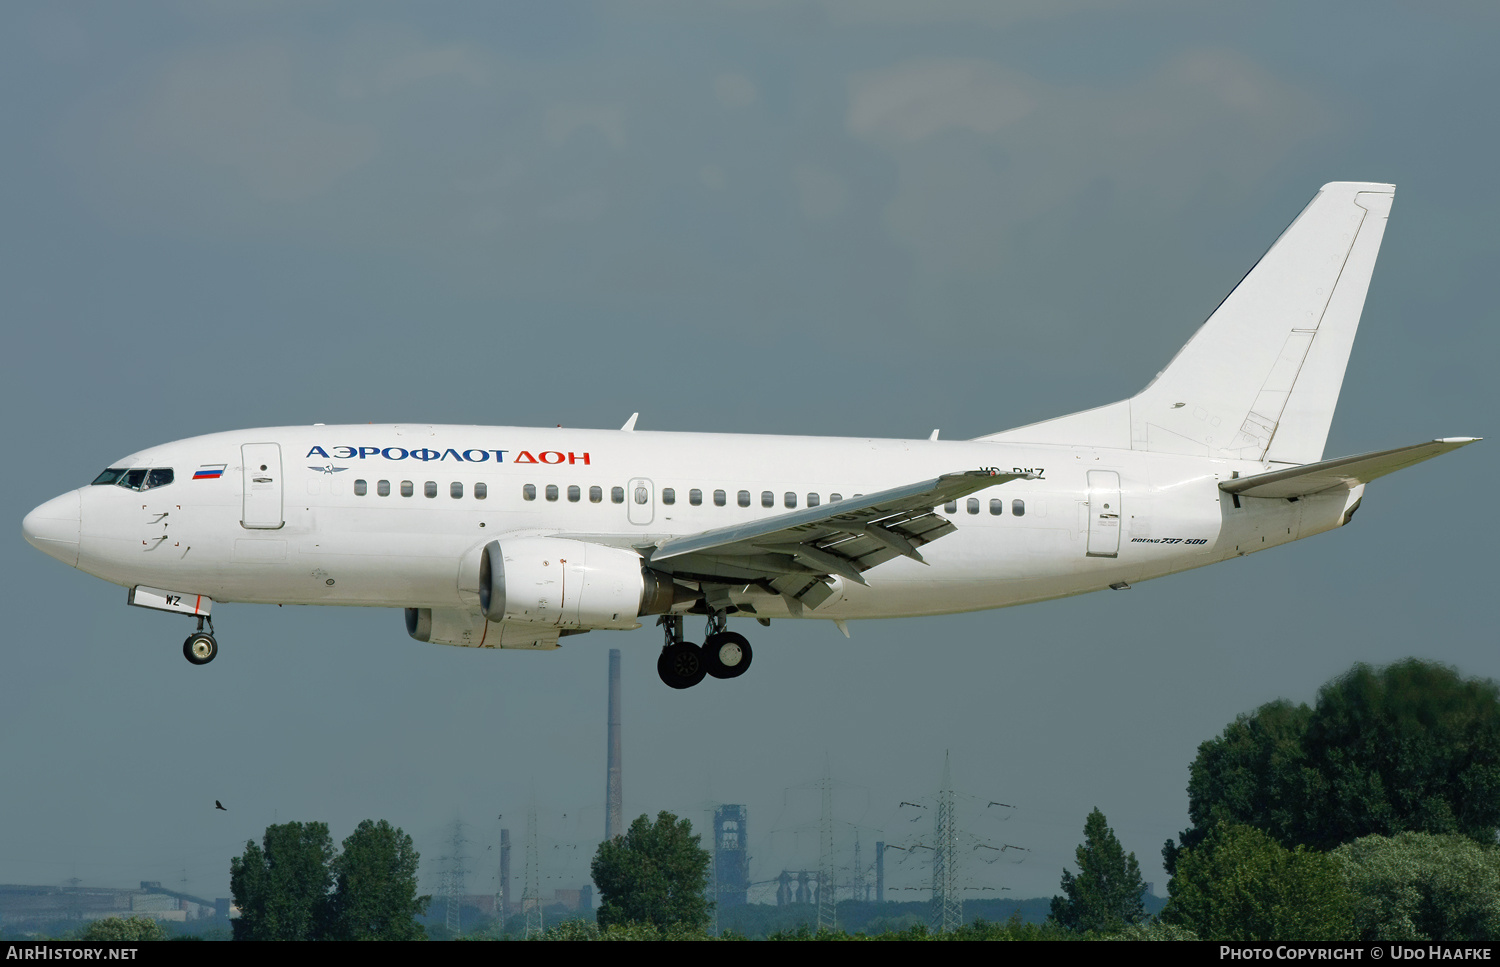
column 219, row 805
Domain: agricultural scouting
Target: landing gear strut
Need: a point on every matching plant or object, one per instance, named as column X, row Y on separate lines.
column 200, row 648
column 683, row 664
column 725, row 653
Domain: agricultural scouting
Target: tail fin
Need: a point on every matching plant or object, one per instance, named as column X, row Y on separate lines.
column 1260, row 379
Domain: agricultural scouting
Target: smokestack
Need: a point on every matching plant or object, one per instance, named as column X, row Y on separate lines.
column 879, row 872
column 506, row 901
column 614, row 797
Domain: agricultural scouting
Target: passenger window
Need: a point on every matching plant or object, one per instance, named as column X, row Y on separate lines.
column 973, row 505
column 641, row 495
column 617, row 495
column 997, row 506
column 407, row 489
column 455, row 490
column 1018, row 507
column 835, row 496
column 720, row 498
column 552, row 491
column 159, row 477
column 481, row 491
column 383, row 488
column 361, row 488
column 951, row 507
column 596, row 494
column 429, row 489
column 791, row 500
column 812, row 500
column 574, row 494
column 767, row 499
column 744, row 498
column 695, row 497
column 668, row 495
column 528, row 492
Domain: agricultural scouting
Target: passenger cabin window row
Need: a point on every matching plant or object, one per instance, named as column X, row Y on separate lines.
column 148, row 479
column 429, row 489
column 997, row 507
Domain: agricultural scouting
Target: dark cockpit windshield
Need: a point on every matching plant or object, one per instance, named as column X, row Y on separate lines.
column 147, row 479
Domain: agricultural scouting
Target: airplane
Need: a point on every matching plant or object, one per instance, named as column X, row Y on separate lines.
column 506, row 537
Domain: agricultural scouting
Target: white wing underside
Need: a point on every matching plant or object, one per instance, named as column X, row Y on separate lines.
column 797, row 554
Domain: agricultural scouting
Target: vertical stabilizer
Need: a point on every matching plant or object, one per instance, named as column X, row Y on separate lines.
column 1260, row 379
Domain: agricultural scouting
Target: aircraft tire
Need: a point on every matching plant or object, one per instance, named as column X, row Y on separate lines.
column 681, row 665
column 726, row 655
column 200, row 648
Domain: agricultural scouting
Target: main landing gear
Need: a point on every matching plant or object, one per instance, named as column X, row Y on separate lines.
column 723, row 654
column 200, row 648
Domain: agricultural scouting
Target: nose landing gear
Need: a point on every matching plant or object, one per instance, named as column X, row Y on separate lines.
column 200, row 648
column 682, row 664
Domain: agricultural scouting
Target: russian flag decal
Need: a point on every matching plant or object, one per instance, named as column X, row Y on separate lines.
column 210, row 471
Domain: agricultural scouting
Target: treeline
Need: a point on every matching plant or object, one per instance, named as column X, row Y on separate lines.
column 1371, row 815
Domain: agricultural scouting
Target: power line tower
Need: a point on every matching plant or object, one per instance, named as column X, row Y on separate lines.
column 531, row 899
column 455, row 878
column 828, row 911
column 947, row 898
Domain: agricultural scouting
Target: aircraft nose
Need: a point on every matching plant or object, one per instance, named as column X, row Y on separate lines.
column 53, row 528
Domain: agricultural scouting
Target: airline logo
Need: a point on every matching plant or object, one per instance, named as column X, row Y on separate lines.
column 210, row 471
column 460, row 456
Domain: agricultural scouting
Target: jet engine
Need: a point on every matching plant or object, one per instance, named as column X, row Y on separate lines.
column 569, row 584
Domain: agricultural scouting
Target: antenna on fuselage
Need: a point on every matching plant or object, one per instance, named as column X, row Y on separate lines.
column 629, row 426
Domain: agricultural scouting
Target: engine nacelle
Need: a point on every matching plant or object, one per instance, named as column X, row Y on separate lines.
column 568, row 584
column 459, row 626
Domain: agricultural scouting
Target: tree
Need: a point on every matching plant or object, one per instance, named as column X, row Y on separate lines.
column 282, row 889
column 1417, row 886
column 1105, row 896
column 1409, row 747
column 375, row 887
column 1252, row 774
column 656, row 873
column 1238, row 883
column 111, row 929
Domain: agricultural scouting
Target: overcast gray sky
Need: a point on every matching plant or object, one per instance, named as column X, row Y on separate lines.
column 866, row 218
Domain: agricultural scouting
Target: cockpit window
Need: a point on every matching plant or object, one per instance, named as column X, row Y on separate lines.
column 135, row 479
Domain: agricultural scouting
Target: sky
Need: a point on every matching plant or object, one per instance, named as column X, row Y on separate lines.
column 850, row 217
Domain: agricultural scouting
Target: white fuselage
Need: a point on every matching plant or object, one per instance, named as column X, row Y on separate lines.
column 342, row 532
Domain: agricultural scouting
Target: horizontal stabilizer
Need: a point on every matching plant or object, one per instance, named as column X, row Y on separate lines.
column 1344, row 473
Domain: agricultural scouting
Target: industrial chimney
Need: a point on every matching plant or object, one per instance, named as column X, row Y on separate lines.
column 614, row 797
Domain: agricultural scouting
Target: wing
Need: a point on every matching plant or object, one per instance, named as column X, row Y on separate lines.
column 794, row 554
column 1343, row 473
